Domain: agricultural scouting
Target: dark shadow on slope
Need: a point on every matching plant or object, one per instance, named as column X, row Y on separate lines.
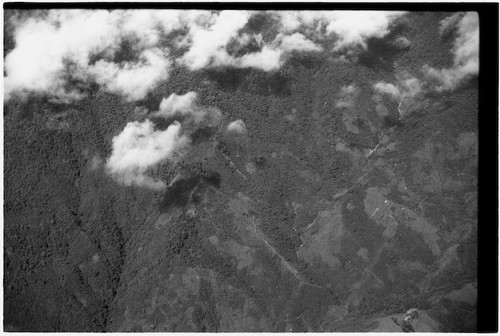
column 202, row 134
column 278, row 84
column 189, row 189
column 471, row 83
column 380, row 54
column 260, row 162
column 250, row 80
column 227, row 79
column 309, row 60
column 151, row 102
column 268, row 83
column 34, row 104
column 390, row 120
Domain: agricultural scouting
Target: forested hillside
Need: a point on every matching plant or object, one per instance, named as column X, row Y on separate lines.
column 240, row 171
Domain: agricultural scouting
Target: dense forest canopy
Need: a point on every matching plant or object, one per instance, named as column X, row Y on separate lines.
column 239, row 170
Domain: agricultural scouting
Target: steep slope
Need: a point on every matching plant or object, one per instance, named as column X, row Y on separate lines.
column 338, row 209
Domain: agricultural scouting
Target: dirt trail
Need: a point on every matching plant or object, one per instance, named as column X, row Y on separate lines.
column 290, row 267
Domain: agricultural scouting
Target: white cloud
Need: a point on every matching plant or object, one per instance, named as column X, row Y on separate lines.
column 55, row 48
column 349, row 89
column 132, row 80
column 466, row 55
column 95, row 163
column 270, row 57
column 36, row 63
column 298, row 41
column 138, row 148
column 182, row 104
column 407, row 87
column 208, row 40
column 450, row 22
column 45, row 44
column 267, row 59
column 186, row 105
column 412, row 87
column 347, row 96
column 405, row 92
column 237, row 126
column 401, row 43
column 354, row 27
column 290, row 20
column 146, row 24
column 351, row 27
column 467, row 44
column 387, row 88
column 208, row 43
